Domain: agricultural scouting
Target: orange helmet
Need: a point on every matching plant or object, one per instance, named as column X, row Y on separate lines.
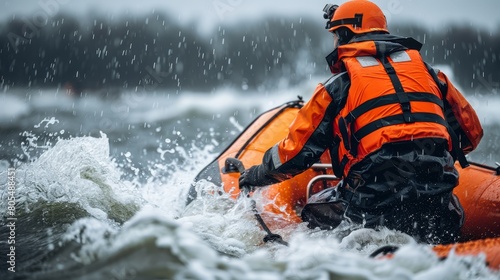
column 359, row 16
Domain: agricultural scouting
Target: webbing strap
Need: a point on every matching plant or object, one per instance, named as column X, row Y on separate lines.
column 458, row 152
column 393, row 120
column 391, row 99
column 344, row 132
column 398, row 87
column 343, row 162
column 355, row 21
column 405, row 106
column 392, row 74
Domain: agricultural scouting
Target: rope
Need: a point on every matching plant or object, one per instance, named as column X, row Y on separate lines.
column 272, row 237
column 384, row 250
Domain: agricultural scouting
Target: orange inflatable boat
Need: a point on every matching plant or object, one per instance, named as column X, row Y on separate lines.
column 478, row 189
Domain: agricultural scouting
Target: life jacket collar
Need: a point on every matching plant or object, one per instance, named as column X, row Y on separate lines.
column 377, row 45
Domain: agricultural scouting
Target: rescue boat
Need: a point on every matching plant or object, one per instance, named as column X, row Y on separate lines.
column 478, row 189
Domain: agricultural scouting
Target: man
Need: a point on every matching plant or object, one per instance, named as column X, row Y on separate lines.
column 394, row 127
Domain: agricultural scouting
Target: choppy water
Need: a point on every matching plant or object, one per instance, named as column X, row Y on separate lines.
column 100, row 185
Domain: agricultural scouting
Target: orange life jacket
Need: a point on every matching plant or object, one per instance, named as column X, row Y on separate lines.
column 393, row 97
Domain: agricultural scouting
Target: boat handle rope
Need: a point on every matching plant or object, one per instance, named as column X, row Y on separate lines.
column 235, row 165
column 272, row 237
column 384, row 250
column 492, row 168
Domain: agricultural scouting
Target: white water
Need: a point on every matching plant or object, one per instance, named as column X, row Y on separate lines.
column 200, row 244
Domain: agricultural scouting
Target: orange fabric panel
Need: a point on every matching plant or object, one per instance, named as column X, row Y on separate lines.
column 401, row 132
column 366, row 48
column 416, row 74
column 490, row 247
column 464, row 113
column 254, row 151
column 304, row 124
column 352, row 50
column 479, row 193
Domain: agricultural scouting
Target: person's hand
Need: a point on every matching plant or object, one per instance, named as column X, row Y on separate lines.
column 251, row 179
column 255, row 177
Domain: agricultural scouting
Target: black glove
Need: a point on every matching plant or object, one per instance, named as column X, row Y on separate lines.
column 254, row 177
column 248, row 179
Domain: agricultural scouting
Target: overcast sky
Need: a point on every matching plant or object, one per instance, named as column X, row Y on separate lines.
column 210, row 13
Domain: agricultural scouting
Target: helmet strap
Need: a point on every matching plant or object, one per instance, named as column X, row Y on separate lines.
column 355, row 21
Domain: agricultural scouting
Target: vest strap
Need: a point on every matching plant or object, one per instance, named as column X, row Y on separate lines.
column 343, row 163
column 389, row 69
column 344, row 132
column 397, row 119
column 392, row 99
column 405, row 106
column 402, row 98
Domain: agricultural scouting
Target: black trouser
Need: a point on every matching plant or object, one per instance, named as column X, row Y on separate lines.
column 431, row 219
column 406, row 186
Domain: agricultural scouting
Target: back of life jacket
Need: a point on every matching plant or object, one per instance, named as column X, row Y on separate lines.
column 392, row 98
